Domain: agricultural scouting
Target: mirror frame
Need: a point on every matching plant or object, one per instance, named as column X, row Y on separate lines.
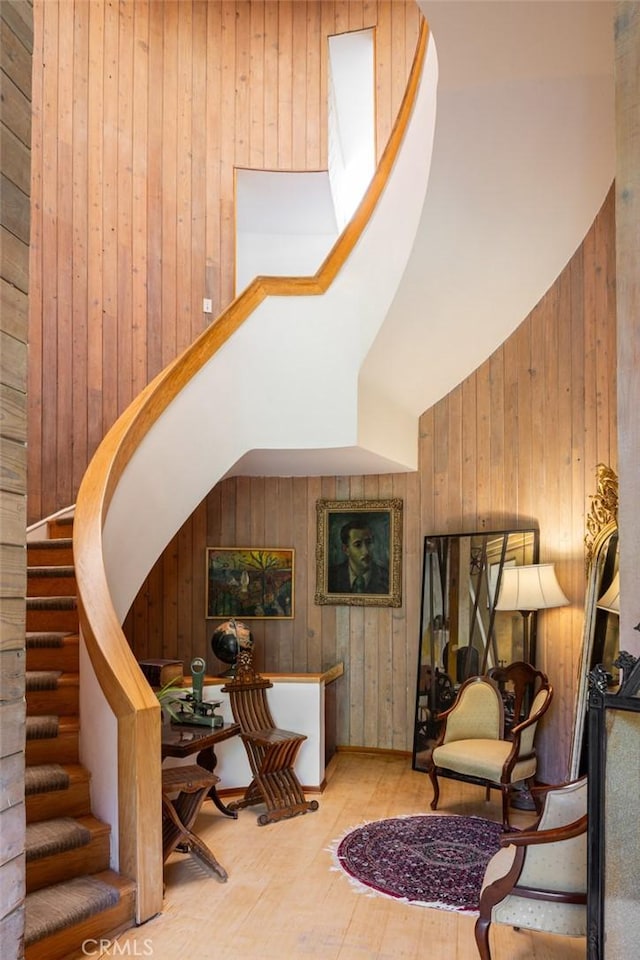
column 443, row 685
column 602, row 525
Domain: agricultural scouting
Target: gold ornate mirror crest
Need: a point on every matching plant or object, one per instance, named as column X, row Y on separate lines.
column 604, row 509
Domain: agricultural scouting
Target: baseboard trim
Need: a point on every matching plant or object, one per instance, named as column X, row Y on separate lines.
column 376, row 751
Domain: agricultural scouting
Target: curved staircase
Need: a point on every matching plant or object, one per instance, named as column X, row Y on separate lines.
column 72, row 895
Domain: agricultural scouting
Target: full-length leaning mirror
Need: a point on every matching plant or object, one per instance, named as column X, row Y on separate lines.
column 600, row 643
column 461, row 632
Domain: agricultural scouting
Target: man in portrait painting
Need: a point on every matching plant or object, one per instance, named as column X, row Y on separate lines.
column 358, row 572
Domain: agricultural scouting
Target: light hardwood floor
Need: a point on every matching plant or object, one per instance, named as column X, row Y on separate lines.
column 283, row 900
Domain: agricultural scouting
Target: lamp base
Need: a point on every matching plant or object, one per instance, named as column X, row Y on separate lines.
column 521, row 799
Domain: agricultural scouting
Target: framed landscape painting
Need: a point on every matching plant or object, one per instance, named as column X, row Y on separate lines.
column 250, row 583
column 359, row 552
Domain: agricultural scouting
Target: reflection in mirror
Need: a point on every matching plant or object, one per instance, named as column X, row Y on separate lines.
column 606, row 633
column 600, row 643
column 461, row 632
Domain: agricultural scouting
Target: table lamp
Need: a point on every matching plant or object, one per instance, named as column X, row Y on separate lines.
column 610, row 599
column 527, row 588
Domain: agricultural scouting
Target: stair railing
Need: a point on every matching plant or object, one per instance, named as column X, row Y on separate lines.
column 134, row 706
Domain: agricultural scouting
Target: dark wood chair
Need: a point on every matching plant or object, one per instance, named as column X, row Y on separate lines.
column 518, row 683
column 271, row 752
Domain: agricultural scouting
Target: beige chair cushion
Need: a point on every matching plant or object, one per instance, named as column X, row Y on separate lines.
column 569, row 919
column 481, row 758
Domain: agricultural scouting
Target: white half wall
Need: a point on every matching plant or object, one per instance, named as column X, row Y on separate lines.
column 294, row 705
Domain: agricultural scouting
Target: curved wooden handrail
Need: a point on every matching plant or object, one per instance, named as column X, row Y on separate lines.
column 127, row 692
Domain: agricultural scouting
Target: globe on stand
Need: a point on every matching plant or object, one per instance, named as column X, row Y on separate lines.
column 228, row 640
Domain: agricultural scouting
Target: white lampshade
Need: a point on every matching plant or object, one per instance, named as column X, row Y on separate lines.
column 610, row 600
column 530, row 587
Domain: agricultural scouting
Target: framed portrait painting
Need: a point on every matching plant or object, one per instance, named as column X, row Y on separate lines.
column 250, row 583
column 359, row 552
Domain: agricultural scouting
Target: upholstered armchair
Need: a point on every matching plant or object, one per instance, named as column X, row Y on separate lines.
column 538, row 880
column 472, row 745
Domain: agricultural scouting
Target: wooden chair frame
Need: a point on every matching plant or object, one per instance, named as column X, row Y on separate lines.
column 271, row 752
column 505, row 783
column 508, row 885
column 191, row 784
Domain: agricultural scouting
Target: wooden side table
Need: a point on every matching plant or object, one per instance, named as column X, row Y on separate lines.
column 183, row 740
column 193, row 784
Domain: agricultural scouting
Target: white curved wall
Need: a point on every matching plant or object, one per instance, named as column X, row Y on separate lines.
column 523, row 157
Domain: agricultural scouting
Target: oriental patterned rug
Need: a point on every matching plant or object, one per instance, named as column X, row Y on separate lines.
column 430, row 861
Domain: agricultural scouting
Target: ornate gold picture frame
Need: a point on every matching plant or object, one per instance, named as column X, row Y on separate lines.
column 359, row 552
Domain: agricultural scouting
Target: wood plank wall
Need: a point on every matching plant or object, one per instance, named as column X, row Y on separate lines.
column 142, row 111
column 16, row 44
column 627, row 36
column 516, row 444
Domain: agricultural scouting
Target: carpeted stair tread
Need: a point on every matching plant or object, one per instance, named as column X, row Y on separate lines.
column 51, row 571
column 51, row 603
column 45, row 777
column 53, row 650
column 48, row 837
column 41, row 553
column 47, row 800
column 53, row 639
column 42, row 679
column 52, row 739
column 51, row 544
column 63, row 700
column 43, row 728
column 64, row 904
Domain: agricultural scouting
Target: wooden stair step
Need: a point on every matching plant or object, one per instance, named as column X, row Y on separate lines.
column 45, row 552
column 105, row 924
column 90, row 854
column 53, row 650
column 61, row 747
column 51, row 581
column 52, row 614
column 60, row 528
column 42, row 679
column 67, row 848
column 72, row 801
column 63, row 701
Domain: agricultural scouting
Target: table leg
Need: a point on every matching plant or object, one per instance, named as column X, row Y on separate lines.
column 178, row 816
column 207, row 759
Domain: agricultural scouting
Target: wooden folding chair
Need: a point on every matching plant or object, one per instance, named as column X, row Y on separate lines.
column 271, row 752
column 192, row 785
